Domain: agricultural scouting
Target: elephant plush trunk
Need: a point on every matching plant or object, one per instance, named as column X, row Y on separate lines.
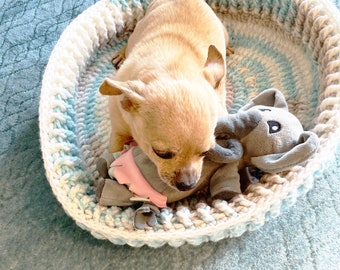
column 226, row 151
column 229, row 131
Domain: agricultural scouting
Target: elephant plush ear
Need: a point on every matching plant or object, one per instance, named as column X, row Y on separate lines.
column 270, row 97
column 274, row 163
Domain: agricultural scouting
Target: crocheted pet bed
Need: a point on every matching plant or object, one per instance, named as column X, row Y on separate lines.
column 293, row 46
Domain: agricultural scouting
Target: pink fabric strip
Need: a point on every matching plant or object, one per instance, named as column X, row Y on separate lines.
column 126, row 172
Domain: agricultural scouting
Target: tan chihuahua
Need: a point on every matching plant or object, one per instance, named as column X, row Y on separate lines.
column 170, row 88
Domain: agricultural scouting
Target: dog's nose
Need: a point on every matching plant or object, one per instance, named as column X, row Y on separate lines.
column 185, row 186
column 186, row 179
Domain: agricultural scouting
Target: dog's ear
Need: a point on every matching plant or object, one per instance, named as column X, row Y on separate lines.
column 131, row 100
column 214, row 68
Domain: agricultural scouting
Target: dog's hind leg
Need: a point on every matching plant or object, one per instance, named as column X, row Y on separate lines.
column 229, row 49
column 119, row 57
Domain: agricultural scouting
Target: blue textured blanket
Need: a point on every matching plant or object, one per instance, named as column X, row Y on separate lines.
column 35, row 232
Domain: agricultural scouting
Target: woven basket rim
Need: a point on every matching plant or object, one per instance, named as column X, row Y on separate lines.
column 59, row 85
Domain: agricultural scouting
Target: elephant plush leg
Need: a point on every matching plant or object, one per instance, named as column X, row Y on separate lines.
column 225, row 183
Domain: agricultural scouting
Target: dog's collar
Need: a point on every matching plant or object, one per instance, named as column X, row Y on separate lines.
column 127, row 173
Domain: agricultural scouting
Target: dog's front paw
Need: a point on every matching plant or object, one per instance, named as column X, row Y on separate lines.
column 146, row 215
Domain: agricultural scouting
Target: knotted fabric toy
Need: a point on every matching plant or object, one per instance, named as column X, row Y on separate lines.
column 130, row 178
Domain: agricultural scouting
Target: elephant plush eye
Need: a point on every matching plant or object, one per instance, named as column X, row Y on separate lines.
column 274, row 126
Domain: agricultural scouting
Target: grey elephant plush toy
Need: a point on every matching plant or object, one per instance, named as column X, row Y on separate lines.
column 272, row 138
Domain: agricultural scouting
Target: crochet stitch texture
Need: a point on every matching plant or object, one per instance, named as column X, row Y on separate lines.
column 293, row 46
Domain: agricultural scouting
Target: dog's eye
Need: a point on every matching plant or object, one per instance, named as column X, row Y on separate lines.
column 164, row 155
column 204, row 154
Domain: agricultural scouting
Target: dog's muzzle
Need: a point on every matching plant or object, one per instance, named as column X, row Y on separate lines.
column 186, row 179
column 184, row 187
